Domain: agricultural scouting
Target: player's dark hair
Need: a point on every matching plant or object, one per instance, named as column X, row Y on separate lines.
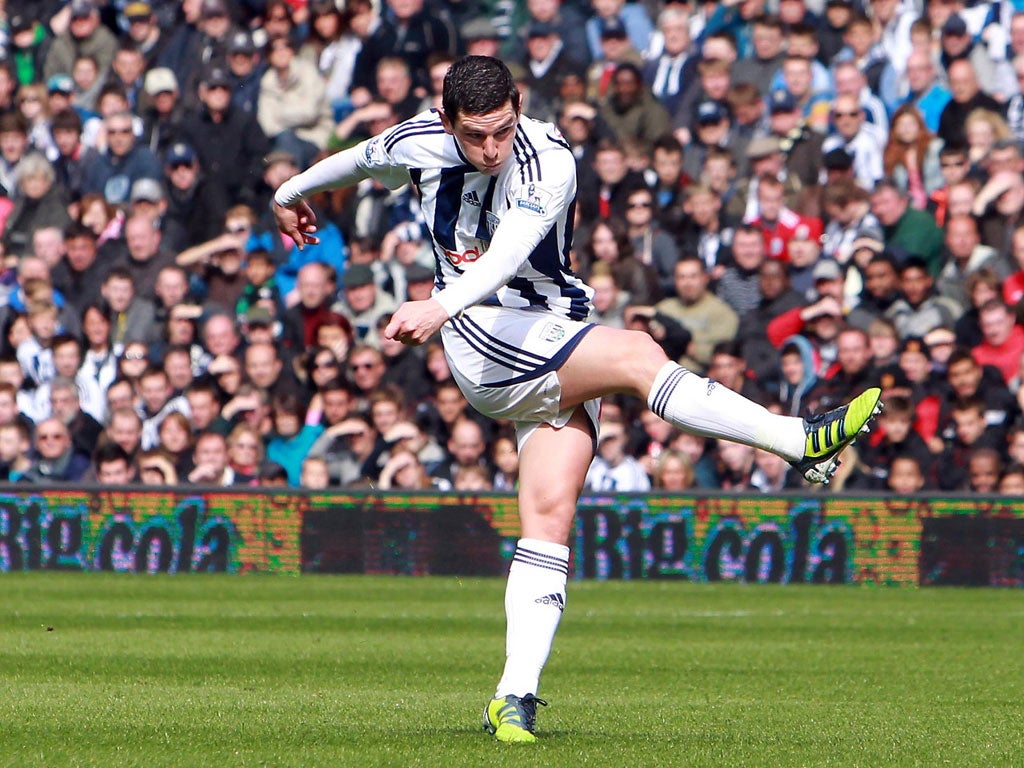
column 476, row 85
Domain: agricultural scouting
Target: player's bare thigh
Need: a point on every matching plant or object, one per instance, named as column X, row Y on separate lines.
column 553, row 464
column 609, row 361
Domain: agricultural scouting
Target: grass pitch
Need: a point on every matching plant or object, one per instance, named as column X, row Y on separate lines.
column 106, row 670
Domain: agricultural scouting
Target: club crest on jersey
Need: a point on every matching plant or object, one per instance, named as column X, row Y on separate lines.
column 373, row 149
column 471, row 198
column 535, row 200
column 552, row 332
column 492, row 222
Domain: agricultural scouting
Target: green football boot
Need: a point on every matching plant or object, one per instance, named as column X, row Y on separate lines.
column 828, row 433
column 511, row 718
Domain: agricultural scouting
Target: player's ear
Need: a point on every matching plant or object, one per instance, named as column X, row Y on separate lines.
column 445, row 122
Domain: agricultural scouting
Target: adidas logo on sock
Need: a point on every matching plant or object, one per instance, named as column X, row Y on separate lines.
column 556, row 600
column 471, row 198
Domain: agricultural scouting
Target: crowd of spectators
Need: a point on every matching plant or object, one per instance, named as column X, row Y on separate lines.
column 798, row 199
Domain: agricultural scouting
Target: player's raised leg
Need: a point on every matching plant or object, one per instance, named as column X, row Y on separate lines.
column 552, row 467
column 610, row 360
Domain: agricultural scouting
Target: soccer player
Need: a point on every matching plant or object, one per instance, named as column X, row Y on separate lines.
column 498, row 192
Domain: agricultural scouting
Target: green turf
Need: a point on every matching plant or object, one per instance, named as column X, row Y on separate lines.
column 103, row 670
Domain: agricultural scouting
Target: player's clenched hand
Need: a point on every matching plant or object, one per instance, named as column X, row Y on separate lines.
column 416, row 321
column 298, row 222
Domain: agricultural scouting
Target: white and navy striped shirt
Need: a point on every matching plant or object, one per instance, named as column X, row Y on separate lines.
column 518, row 224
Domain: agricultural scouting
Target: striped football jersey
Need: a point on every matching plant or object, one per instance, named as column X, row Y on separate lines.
column 535, row 194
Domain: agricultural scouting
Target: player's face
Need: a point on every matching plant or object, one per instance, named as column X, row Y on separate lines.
column 486, row 139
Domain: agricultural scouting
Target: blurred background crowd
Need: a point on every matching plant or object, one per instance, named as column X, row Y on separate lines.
column 796, row 198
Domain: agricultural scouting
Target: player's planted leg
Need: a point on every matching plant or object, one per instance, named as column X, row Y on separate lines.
column 553, row 464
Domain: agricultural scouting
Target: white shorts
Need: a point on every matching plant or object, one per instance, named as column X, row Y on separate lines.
column 506, row 363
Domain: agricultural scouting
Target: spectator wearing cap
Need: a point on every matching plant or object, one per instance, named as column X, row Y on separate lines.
column 862, row 140
column 363, row 303
column 669, row 74
column 628, row 21
column 924, row 89
column 148, row 198
column 958, row 44
column 246, row 68
column 412, row 32
column 142, row 30
column 85, row 36
column 480, row 37
column 761, row 67
column 162, row 110
column 908, row 228
column 709, row 132
column 617, row 49
column 800, row 146
column 713, row 85
column 194, row 202
column 293, row 109
column 821, row 318
column 798, row 80
column 228, row 141
column 60, row 96
column 765, row 157
column 546, row 63
column 568, row 22
column 215, row 26
column 630, row 110
column 967, row 97
column 27, row 49
column 964, row 253
column 122, row 163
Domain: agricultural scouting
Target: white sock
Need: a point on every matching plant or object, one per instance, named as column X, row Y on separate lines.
column 705, row 407
column 534, row 601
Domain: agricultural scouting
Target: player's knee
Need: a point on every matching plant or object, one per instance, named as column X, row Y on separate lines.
column 646, row 358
